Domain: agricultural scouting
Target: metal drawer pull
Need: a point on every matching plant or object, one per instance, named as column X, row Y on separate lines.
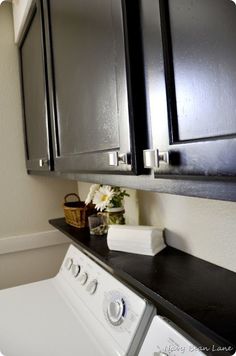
column 153, row 158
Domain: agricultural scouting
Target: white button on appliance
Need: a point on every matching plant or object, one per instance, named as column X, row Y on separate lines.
column 83, row 278
column 115, row 311
column 92, row 286
column 75, row 270
column 68, row 263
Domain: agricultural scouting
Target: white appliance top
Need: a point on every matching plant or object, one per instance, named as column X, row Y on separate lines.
column 165, row 339
column 84, row 310
column 36, row 320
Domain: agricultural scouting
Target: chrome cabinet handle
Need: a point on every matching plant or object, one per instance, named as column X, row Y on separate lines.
column 43, row 162
column 153, row 158
column 116, row 158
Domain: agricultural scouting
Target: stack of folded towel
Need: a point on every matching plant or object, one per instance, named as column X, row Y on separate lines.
column 144, row 240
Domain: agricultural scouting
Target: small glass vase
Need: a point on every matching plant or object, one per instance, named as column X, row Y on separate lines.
column 114, row 216
column 97, row 225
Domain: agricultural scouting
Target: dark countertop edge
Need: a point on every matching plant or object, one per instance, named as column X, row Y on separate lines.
column 193, row 327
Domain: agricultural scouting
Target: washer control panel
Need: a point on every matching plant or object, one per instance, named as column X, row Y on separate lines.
column 165, row 339
column 121, row 311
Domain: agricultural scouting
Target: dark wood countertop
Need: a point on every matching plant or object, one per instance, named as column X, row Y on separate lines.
column 198, row 296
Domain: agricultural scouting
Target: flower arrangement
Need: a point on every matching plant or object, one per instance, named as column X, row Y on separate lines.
column 105, row 197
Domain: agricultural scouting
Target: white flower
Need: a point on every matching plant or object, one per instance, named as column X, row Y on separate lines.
column 103, row 197
column 91, row 193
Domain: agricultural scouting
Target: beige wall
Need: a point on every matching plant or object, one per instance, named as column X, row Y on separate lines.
column 27, row 267
column 20, row 11
column 26, row 202
column 201, row 227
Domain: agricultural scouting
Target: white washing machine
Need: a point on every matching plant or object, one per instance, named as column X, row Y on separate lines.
column 166, row 339
column 83, row 311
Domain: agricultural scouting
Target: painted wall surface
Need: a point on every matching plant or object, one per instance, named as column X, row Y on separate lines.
column 20, row 11
column 201, row 227
column 26, row 202
column 26, row 266
column 130, row 203
column 204, row 228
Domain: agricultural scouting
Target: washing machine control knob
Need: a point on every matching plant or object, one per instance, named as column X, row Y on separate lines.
column 83, row 278
column 75, row 270
column 68, row 263
column 92, row 286
column 116, row 311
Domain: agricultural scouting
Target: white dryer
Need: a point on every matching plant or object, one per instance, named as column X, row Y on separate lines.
column 83, row 311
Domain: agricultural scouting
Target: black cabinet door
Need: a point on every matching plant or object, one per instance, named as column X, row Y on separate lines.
column 92, row 114
column 34, row 93
column 190, row 61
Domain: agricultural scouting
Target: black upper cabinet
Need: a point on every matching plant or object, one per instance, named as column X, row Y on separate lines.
column 34, row 93
column 190, row 64
column 91, row 86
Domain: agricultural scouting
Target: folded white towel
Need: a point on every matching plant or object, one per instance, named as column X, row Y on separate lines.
column 136, row 233
column 145, row 240
column 140, row 251
column 153, row 244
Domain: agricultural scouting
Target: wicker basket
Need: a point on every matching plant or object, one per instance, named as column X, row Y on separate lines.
column 76, row 212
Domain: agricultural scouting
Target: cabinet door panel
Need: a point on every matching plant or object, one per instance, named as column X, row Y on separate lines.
column 192, row 68
column 204, row 57
column 86, row 88
column 91, row 116
column 34, row 94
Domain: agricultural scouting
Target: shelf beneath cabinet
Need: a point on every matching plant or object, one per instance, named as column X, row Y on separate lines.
column 197, row 295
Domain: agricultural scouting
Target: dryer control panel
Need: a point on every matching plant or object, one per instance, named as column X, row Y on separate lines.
column 122, row 312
